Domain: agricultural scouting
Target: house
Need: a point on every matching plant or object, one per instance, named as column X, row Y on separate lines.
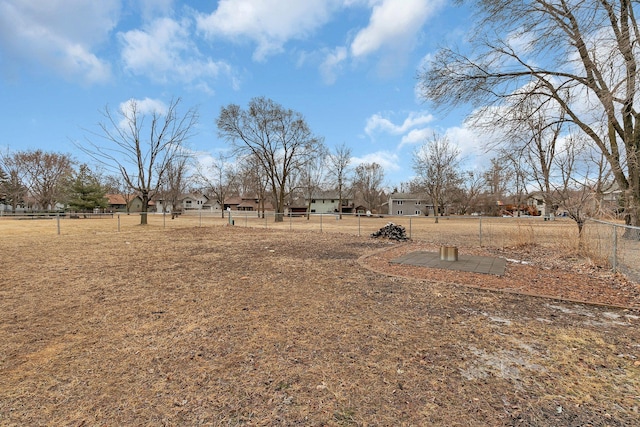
column 328, row 202
column 116, row 202
column 193, row 201
column 246, row 203
column 120, row 203
column 409, row 204
column 212, row 205
column 536, row 201
column 611, row 199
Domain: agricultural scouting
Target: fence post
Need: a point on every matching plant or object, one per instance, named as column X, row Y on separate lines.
column 58, row 221
column 410, row 227
column 118, row 223
column 358, row 224
column 200, row 218
column 480, row 217
column 290, row 221
column 321, row 223
column 614, row 261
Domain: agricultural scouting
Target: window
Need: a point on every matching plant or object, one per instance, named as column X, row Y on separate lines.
column 399, row 212
column 399, row 202
column 418, row 212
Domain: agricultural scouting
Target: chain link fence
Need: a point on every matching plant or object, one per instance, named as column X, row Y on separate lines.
column 610, row 244
column 616, row 243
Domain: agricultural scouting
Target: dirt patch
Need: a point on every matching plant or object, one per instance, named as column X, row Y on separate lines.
column 528, row 273
column 225, row 326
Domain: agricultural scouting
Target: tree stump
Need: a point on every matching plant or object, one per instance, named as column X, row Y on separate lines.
column 448, row 253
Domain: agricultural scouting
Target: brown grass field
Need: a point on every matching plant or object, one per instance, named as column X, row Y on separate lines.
column 193, row 322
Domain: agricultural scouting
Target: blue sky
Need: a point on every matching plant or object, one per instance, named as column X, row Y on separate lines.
column 349, row 66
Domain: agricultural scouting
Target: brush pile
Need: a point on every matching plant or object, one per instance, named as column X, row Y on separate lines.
column 392, row 231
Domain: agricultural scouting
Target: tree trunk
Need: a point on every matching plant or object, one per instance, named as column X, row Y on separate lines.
column 145, row 208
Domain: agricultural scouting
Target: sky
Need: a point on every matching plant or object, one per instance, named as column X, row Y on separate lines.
column 349, row 67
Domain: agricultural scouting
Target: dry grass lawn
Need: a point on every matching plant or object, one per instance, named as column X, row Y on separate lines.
column 176, row 324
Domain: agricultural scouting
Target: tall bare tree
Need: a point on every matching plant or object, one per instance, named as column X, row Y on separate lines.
column 471, row 187
column 338, row 171
column 368, row 181
column 574, row 190
column 312, row 175
column 175, row 183
column 142, row 145
column 436, row 167
column 219, row 178
column 581, row 56
column 279, row 139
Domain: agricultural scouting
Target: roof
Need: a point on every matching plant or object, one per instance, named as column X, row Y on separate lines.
column 194, row 196
column 235, row 200
column 331, row 195
column 119, row 199
column 407, row 196
column 115, row 199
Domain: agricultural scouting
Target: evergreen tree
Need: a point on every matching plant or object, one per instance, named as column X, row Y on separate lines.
column 4, row 180
column 84, row 191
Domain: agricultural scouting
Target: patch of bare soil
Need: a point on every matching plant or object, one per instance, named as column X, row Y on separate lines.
column 226, row 326
column 530, row 271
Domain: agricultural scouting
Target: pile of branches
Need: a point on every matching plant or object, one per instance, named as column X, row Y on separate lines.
column 392, row 231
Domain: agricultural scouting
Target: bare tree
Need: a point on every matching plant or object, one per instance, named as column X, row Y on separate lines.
column 175, row 183
column 471, row 187
column 436, row 167
column 258, row 181
column 530, row 135
column 14, row 190
column 312, row 175
column 44, row 175
column 497, row 182
column 574, row 192
column 115, row 184
column 338, row 171
column 518, row 171
column 368, row 181
column 219, row 179
column 580, row 56
column 278, row 138
column 142, row 160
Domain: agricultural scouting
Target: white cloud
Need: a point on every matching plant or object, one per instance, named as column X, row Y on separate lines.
column 164, row 51
column 474, row 146
column 389, row 161
column 393, row 24
column 152, row 8
column 378, row 123
column 268, row 23
column 332, row 63
column 416, row 136
column 59, row 35
column 142, row 107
